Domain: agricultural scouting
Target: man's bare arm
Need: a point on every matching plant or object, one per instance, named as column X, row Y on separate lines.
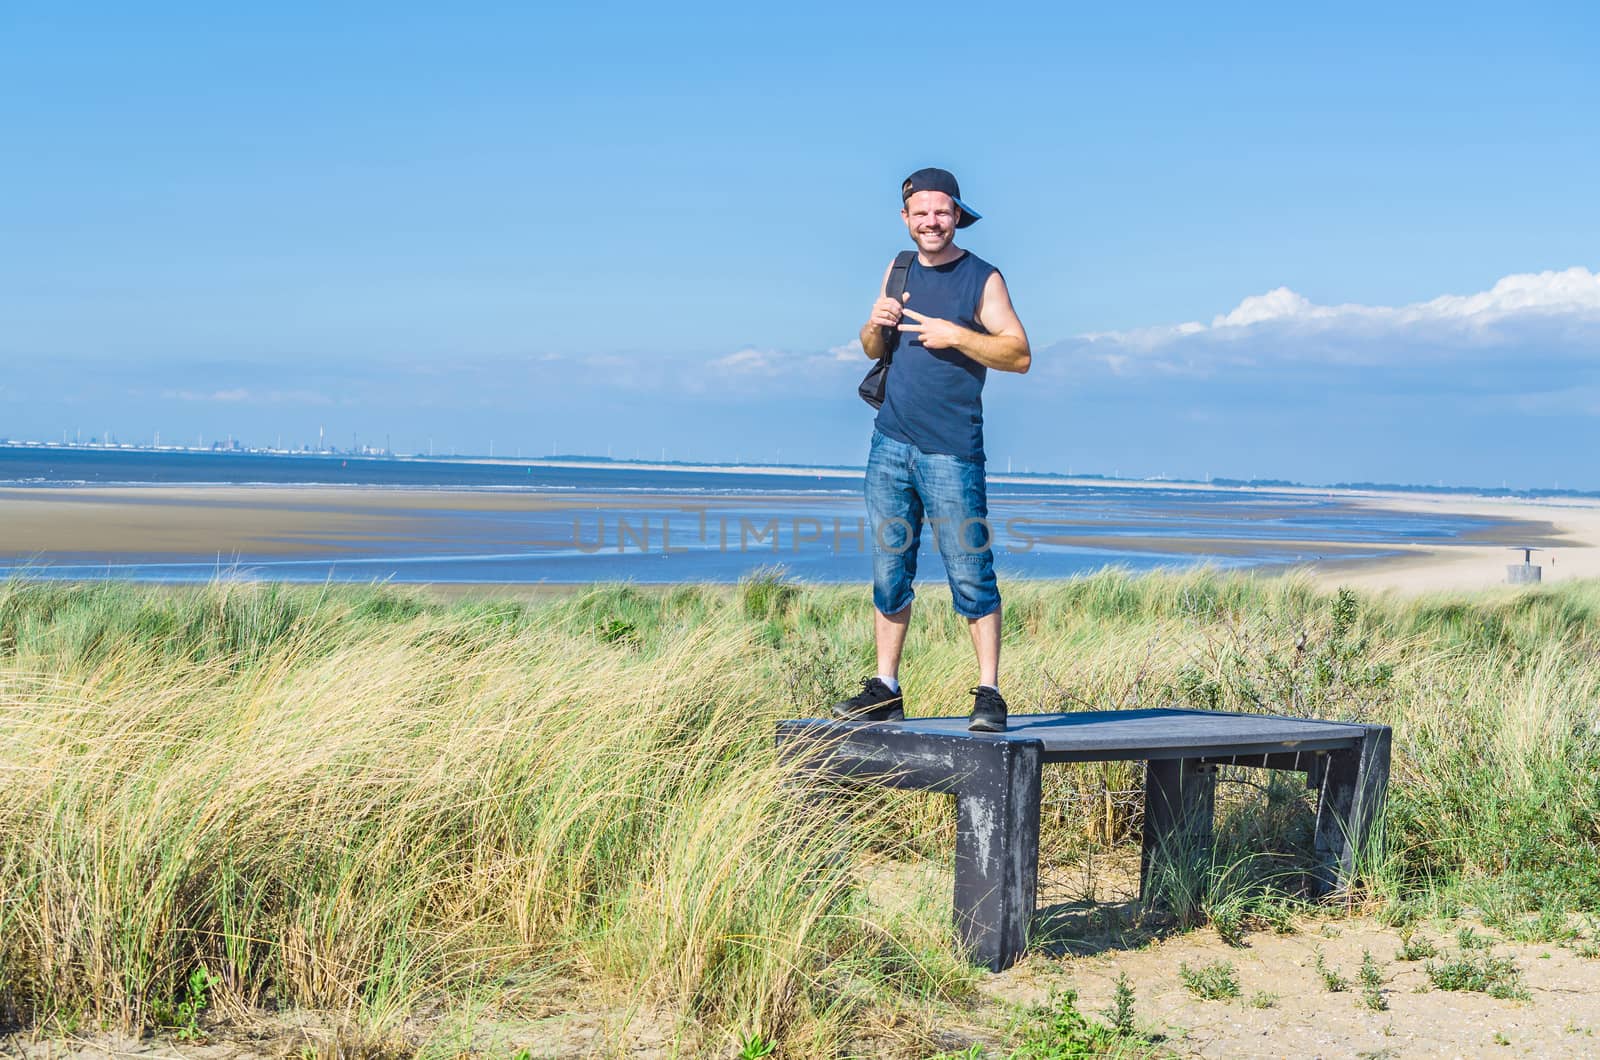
column 1005, row 347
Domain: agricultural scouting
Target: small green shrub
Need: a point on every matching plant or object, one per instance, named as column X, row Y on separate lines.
column 1217, row 981
column 1056, row 1030
column 1120, row 1012
column 619, row 631
column 1479, row 972
column 1371, row 983
column 1278, row 915
column 753, row 1046
column 1413, row 947
column 1332, row 981
column 183, row 1014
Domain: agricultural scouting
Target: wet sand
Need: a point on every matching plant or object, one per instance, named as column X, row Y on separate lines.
column 267, row 520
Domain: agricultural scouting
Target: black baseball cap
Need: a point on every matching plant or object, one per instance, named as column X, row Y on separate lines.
column 932, row 179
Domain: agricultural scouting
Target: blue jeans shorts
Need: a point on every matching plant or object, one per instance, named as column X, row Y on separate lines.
column 906, row 485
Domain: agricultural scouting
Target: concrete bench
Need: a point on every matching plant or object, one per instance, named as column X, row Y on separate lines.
column 995, row 778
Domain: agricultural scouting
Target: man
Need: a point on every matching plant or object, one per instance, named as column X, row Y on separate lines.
column 926, row 460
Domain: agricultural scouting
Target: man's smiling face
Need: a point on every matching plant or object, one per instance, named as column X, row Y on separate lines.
column 931, row 218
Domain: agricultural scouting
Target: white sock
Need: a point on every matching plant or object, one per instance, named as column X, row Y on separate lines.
column 994, row 687
column 894, row 685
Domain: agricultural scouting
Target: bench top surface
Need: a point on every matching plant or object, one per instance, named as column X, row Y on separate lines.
column 1130, row 733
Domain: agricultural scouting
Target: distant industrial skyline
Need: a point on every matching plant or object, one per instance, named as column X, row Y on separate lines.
column 239, row 447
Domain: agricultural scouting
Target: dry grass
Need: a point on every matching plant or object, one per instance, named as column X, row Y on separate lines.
column 386, row 809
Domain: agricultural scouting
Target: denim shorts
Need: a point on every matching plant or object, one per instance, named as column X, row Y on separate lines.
column 906, row 486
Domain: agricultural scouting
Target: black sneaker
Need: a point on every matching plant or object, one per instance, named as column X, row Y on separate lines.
column 988, row 710
column 876, row 702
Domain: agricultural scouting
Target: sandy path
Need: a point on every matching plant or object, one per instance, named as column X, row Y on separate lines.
column 1560, row 1018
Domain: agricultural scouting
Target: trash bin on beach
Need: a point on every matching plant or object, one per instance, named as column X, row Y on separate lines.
column 1527, row 572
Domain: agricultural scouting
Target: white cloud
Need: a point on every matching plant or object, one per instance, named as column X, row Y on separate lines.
column 848, row 352
column 1571, row 291
column 751, row 361
column 239, row 394
column 230, row 395
column 795, row 369
column 1281, row 304
column 1575, row 290
column 1554, row 314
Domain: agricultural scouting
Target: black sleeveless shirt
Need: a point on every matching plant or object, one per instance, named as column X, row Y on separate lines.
column 934, row 398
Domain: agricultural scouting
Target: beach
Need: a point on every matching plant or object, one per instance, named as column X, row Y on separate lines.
column 219, row 525
column 1565, row 530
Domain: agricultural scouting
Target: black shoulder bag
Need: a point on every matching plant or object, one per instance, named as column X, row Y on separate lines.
column 877, row 378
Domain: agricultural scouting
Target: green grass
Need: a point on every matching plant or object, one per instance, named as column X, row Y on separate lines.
column 374, row 804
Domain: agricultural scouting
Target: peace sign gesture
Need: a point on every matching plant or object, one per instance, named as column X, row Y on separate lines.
column 936, row 334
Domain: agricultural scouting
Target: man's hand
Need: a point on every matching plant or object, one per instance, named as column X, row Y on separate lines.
column 999, row 342
column 886, row 311
column 936, row 334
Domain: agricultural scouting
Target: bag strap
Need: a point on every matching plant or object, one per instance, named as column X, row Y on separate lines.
column 894, row 287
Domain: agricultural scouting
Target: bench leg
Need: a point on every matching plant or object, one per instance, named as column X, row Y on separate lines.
column 997, row 851
column 1354, row 787
column 1180, row 798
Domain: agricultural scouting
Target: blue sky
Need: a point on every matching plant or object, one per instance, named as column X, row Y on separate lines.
column 659, row 228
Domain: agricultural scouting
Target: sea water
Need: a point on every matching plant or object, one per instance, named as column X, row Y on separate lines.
column 602, row 522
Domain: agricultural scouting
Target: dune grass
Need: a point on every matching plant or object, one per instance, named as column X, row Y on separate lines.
column 391, row 810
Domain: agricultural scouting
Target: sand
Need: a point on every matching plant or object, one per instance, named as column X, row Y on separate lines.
column 1567, row 531
column 1285, row 1009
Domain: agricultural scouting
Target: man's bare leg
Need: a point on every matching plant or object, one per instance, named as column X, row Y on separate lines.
column 890, row 633
column 985, row 641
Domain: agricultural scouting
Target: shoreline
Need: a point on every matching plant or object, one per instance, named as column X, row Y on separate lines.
column 1568, row 549
column 1017, row 478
